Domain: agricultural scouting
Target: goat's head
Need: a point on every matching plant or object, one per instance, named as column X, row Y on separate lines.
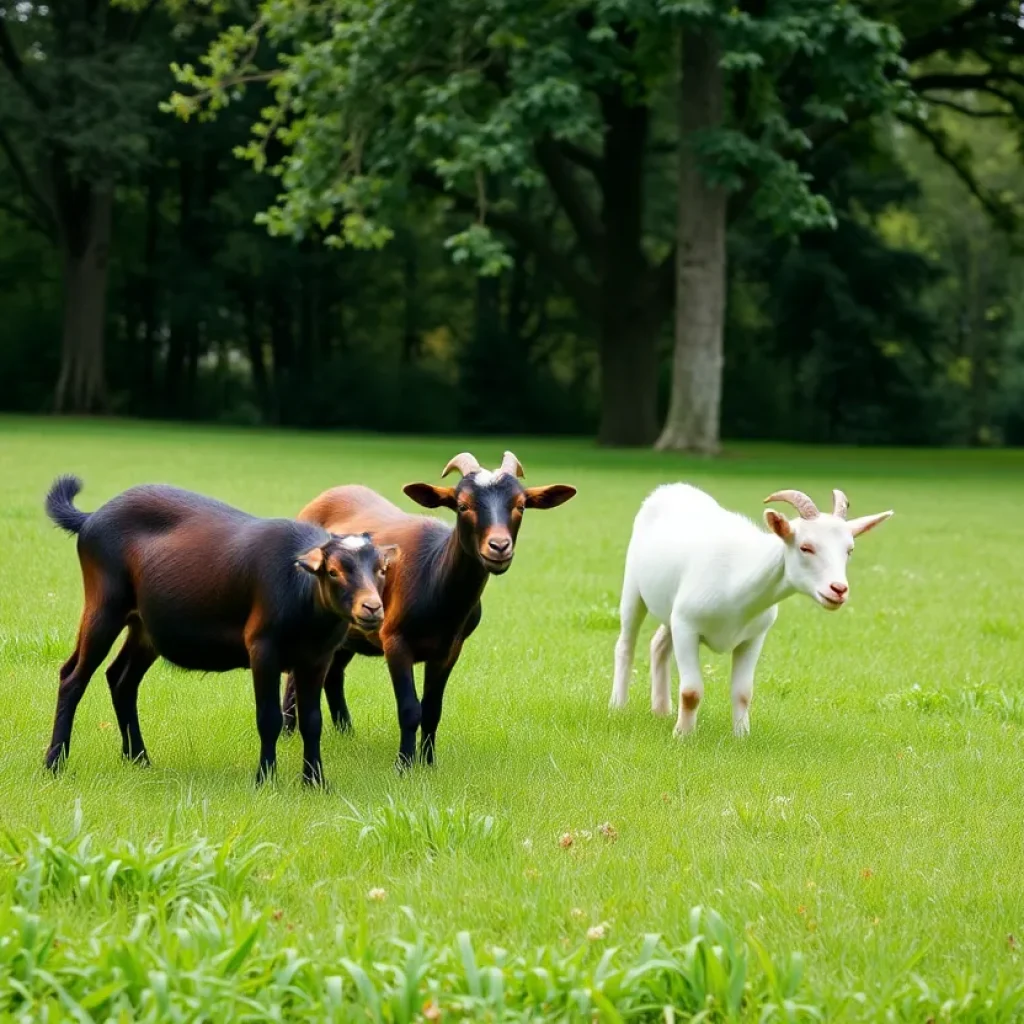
column 489, row 506
column 819, row 544
column 350, row 572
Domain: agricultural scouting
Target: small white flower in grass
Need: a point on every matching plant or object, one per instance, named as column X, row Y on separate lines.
column 597, row 932
column 527, row 844
column 577, row 914
column 377, row 895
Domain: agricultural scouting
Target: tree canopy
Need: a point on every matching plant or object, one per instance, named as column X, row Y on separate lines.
column 462, row 191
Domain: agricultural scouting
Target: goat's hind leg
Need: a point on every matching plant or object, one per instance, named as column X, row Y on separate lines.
column 661, row 671
column 102, row 620
column 124, row 676
column 632, row 612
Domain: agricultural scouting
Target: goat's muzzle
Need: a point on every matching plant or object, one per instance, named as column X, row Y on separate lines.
column 368, row 614
column 496, row 552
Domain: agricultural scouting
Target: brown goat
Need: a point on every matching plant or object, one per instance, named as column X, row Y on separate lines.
column 432, row 595
column 210, row 588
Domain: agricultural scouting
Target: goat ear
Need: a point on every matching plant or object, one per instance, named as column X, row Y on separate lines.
column 388, row 553
column 778, row 524
column 311, row 561
column 865, row 523
column 549, row 497
column 430, row 496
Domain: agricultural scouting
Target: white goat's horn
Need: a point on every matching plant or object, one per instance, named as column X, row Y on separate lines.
column 840, row 504
column 799, row 500
column 510, row 464
column 464, row 463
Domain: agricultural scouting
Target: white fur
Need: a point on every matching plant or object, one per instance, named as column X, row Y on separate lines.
column 712, row 577
column 354, row 543
column 484, row 477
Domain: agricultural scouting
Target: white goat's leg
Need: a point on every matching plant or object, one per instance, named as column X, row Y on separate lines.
column 632, row 612
column 661, row 671
column 744, row 662
column 686, row 644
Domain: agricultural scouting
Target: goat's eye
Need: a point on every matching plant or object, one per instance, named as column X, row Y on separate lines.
column 334, row 574
column 807, row 549
column 463, row 507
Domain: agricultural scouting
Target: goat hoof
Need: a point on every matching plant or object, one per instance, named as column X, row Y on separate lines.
column 343, row 725
column 403, row 764
column 140, row 760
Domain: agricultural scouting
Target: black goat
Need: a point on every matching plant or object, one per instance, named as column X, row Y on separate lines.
column 210, row 588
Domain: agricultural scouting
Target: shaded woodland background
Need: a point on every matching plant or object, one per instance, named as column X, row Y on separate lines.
column 883, row 302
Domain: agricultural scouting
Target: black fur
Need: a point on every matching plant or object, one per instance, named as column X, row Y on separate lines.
column 60, row 504
column 210, row 588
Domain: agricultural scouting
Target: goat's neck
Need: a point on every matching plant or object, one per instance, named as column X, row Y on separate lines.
column 768, row 584
column 461, row 576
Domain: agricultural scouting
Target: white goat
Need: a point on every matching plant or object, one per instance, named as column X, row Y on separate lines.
column 711, row 576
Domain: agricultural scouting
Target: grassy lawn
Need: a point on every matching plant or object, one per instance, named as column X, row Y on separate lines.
column 873, row 822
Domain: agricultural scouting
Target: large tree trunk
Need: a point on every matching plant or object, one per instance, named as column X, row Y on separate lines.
column 628, row 336
column 693, row 415
column 81, row 386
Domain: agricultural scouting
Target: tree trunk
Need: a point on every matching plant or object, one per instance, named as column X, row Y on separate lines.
column 81, row 386
column 628, row 338
column 254, row 345
column 411, row 296
column 693, row 415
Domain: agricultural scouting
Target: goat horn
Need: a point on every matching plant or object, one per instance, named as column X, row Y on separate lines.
column 510, row 464
column 799, row 500
column 840, row 504
column 464, row 463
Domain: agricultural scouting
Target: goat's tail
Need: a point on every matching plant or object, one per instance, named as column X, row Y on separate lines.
column 60, row 504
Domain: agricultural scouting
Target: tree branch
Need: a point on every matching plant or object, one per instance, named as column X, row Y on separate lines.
column 560, row 266
column 953, row 82
column 567, row 191
column 948, row 34
column 1002, row 214
column 968, row 111
column 43, row 210
column 16, row 69
column 582, row 158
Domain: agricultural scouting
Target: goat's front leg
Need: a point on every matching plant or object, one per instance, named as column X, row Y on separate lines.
column 266, row 680
column 410, row 714
column 686, row 644
column 435, row 679
column 334, row 690
column 308, row 684
column 744, row 662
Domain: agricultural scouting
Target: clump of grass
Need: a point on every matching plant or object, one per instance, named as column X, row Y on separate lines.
column 598, row 618
column 76, row 867
column 428, row 830
column 974, row 698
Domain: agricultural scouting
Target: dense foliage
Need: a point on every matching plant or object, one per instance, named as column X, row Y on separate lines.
column 463, row 215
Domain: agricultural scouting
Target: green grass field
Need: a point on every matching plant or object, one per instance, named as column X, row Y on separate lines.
column 873, row 823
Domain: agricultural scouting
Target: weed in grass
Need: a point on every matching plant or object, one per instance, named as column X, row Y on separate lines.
column 427, row 831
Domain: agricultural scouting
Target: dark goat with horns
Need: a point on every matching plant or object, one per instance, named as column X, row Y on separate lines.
column 432, row 594
column 211, row 588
